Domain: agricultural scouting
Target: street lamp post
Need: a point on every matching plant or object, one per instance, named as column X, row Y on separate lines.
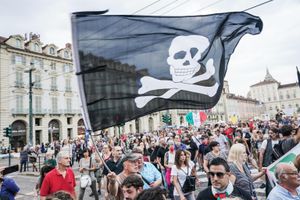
column 30, row 103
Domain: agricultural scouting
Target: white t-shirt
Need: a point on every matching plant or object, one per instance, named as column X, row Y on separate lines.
column 222, row 141
column 265, row 142
column 196, row 140
column 181, row 175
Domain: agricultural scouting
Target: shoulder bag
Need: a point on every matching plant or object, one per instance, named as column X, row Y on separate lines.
column 85, row 180
column 189, row 184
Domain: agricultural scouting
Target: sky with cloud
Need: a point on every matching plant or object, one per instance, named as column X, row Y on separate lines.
column 276, row 48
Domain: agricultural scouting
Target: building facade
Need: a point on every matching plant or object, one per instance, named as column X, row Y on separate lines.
column 230, row 108
column 276, row 96
column 55, row 101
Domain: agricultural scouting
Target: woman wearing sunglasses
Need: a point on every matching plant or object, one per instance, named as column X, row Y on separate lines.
column 237, row 158
column 180, row 171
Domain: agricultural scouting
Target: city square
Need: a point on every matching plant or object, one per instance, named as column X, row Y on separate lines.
column 161, row 99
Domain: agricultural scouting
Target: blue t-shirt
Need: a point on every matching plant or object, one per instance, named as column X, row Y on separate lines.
column 280, row 193
column 150, row 173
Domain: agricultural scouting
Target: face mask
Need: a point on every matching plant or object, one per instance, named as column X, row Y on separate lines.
column 171, row 149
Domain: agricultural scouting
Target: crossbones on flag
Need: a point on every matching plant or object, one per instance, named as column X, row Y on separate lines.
column 129, row 66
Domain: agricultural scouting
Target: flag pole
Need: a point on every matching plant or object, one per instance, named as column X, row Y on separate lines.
column 298, row 76
column 97, row 150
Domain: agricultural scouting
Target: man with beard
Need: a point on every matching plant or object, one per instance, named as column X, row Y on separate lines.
column 115, row 163
column 130, row 167
column 132, row 186
column 221, row 188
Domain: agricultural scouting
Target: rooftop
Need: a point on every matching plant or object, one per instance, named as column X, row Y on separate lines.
column 289, row 85
column 2, row 39
column 268, row 79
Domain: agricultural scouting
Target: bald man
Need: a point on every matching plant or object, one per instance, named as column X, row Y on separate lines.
column 288, row 183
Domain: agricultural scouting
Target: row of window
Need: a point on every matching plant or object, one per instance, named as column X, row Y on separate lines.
column 38, row 104
column 37, row 48
column 283, row 106
column 39, row 122
column 37, row 82
column 38, row 63
column 281, row 96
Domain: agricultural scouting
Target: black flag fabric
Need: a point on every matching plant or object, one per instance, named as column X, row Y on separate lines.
column 129, row 66
column 298, row 75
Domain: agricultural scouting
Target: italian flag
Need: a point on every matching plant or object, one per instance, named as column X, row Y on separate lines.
column 196, row 118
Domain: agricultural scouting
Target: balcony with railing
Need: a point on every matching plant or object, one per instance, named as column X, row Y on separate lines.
column 39, row 111
column 53, row 88
column 19, row 84
column 37, row 85
column 71, row 111
column 68, row 89
column 55, row 111
column 23, row 111
column 19, row 111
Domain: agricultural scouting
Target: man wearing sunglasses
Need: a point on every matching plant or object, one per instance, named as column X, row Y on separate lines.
column 221, row 188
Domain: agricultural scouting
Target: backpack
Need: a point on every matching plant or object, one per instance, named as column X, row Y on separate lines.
column 277, row 151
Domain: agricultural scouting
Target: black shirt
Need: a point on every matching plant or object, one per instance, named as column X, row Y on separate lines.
column 161, row 154
column 193, row 148
column 237, row 192
column 116, row 167
column 153, row 153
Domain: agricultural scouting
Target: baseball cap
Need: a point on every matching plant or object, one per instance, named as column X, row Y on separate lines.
column 131, row 157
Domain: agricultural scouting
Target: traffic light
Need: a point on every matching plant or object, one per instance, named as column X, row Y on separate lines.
column 7, row 131
column 167, row 119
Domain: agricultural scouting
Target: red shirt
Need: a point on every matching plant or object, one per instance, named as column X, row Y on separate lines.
column 54, row 182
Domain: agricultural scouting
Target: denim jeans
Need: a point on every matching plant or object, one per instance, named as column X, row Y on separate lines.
column 94, row 190
column 23, row 164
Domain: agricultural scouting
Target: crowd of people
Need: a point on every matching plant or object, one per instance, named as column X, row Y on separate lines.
column 164, row 164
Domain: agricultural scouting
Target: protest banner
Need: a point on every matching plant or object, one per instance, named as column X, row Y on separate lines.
column 289, row 157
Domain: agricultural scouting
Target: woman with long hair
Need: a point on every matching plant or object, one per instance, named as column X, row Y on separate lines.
column 179, row 172
column 214, row 153
column 237, row 158
column 87, row 166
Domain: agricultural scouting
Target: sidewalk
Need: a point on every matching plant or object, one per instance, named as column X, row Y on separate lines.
column 13, row 155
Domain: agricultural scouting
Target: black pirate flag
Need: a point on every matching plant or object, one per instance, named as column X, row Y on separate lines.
column 130, row 66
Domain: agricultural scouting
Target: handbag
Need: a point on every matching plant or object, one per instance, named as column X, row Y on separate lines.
column 189, row 184
column 85, row 180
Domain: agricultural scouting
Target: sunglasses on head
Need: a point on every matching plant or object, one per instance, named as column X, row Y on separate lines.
column 218, row 174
